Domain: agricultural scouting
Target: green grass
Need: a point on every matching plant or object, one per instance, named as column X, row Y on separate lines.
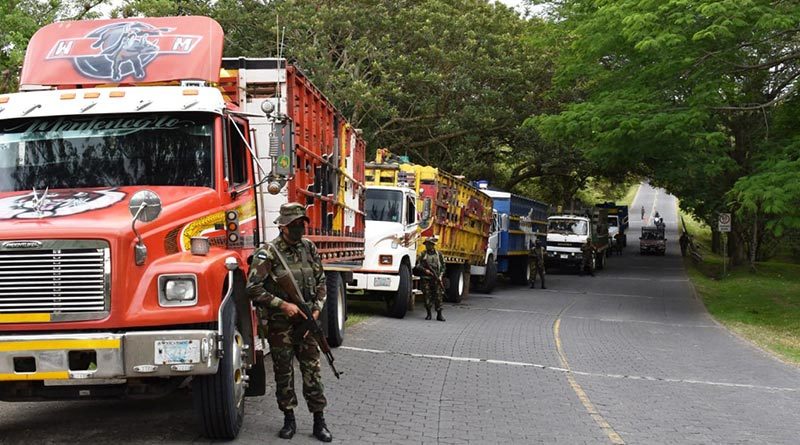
column 762, row 306
column 627, row 200
column 359, row 310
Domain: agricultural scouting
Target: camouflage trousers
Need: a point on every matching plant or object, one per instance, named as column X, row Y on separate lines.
column 432, row 292
column 535, row 268
column 283, row 349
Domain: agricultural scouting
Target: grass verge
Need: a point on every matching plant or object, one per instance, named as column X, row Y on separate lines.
column 762, row 306
column 359, row 310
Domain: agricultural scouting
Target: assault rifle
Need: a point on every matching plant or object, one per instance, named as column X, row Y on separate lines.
column 309, row 325
column 427, row 269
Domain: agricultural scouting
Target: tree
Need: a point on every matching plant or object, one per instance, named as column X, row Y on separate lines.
column 19, row 20
column 685, row 93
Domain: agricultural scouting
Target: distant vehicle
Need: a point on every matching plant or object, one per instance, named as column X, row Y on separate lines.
column 652, row 240
column 617, row 223
column 567, row 233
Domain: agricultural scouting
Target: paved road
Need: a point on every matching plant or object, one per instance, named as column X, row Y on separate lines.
column 629, row 356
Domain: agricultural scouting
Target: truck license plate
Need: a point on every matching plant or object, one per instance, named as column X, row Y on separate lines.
column 564, row 256
column 382, row 282
column 172, row 352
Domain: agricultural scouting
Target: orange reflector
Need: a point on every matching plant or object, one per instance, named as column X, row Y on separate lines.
column 94, row 95
column 3, row 100
column 66, row 96
column 116, row 94
column 190, row 92
column 232, row 226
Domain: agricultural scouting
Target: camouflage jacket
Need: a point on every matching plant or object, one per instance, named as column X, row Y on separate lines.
column 305, row 264
column 433, row 261
column 537, row 254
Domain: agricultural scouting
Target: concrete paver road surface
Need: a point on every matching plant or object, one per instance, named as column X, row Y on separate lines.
column 629, row 356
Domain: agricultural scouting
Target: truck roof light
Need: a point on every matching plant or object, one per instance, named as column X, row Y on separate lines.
column 92, row 95
column 190, row 92
column 67, row 96
column 116, row 94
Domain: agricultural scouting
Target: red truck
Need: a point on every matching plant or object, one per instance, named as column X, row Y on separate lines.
column 138, row 172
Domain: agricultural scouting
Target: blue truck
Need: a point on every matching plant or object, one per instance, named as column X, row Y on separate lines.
column 517, row 222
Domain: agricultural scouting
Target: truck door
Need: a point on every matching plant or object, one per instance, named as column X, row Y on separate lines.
column 241, row 228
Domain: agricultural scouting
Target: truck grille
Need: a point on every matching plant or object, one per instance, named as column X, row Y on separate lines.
column 68, row 279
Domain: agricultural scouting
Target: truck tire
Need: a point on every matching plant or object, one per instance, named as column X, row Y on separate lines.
column 600, row 260
column 257, row 385
column 457, row 288
column 397, row 306
column 519, row 272
column 490, row 279
column 218, row 399
column 335, row 308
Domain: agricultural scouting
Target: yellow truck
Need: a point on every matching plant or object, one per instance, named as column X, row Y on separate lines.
column 406, row 203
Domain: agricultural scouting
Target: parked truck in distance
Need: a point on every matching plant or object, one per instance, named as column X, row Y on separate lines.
column 617, row 223
column 134, row 188
column 407, row 203
column 518, row 221
column 566, row 234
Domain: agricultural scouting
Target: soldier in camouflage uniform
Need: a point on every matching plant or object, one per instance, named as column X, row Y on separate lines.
column 536, row 265
column 587, row 251
column 430, row 267
column 304, row 261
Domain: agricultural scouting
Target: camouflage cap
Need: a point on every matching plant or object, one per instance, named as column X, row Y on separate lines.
column 432, row 240
column 290, row 212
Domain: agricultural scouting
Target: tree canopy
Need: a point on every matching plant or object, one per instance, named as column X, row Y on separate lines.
column 695, row 95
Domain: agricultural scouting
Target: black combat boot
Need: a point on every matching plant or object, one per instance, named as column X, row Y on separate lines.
column 428, row 317
column 533, row 284
column 543, row 287
column 320, row 429
column 289, row 425
column 439, row 315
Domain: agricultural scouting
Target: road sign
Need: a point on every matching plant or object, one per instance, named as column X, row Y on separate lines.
column 724, row 222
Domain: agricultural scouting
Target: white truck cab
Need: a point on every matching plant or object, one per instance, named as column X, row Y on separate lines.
column 390, row 246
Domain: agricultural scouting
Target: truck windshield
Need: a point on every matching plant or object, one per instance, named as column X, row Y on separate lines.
column 106, row 151
column 384, row 205
column 612, row 221
column 567, row 227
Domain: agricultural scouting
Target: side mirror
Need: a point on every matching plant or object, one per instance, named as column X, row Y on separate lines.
column 425, row 219
column 145, row 206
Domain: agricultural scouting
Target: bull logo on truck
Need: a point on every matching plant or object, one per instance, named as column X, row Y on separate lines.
column 46, row 204
column 120, row 50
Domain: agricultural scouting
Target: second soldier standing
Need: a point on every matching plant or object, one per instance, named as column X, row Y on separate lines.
column 430, row 268
column 305, row 264
column 536, row 265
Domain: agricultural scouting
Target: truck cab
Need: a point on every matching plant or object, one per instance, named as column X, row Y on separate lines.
column 391, row 246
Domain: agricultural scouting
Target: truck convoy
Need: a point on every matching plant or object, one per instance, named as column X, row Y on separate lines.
column 136, row 177
column 566, row 234
column 519, row 220
column 406, row 202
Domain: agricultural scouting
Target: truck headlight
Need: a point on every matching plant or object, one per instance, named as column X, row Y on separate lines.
column 177, row 290
column 385, row 260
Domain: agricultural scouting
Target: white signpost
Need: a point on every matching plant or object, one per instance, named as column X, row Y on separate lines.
column 724, row 224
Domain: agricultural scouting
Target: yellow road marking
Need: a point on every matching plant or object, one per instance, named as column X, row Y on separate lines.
column 39, row 345
column 53, row 375
column 613, row 436
column 24, row 318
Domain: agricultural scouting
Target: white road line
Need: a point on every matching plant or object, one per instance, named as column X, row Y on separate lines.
column 609, row 320
column 581, row 373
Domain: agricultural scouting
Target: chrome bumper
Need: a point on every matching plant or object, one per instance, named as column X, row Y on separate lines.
column 115, row 356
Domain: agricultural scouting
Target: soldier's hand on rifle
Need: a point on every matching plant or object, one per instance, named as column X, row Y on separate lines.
column 315, row 314
column 291, row 310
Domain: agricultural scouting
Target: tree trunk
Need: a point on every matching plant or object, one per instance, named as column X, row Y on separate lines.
column 754, row 246
column 716, row 242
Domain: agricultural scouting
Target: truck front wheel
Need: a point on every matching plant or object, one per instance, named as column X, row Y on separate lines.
column 219, row 399
column 398, row 305
column 336, row 308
